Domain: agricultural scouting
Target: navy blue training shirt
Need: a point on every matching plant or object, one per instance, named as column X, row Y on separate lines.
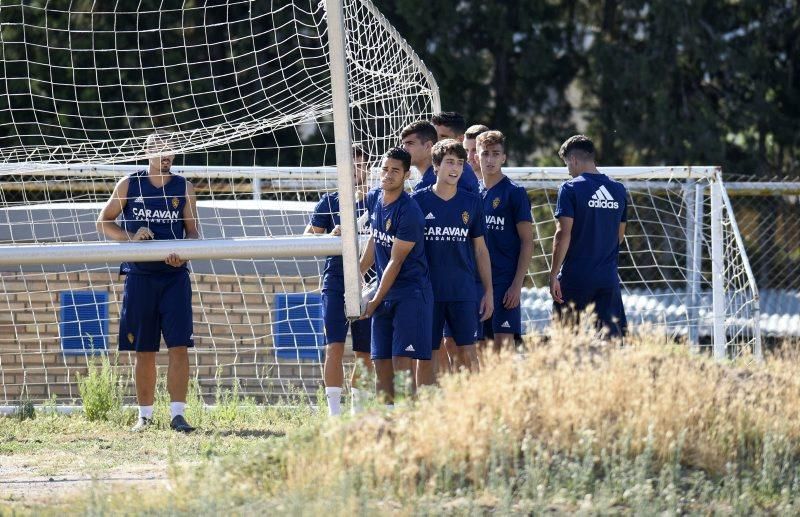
column 468, row 180
column 505, row 205
column 402, row 219
column 326, row 215
column 597, row 204
column 157, row 208
column 450, row 227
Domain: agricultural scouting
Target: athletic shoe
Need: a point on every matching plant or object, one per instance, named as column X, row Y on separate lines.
column 181, row 425
column 141, row 424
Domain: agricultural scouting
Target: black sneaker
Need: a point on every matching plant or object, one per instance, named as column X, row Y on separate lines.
column 181, row 425
column 141, row 424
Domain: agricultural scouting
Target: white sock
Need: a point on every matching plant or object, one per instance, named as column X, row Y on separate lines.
column 334, row 396
column 177, row 408
column 146, row 411
column 359, row 397
column 390, row 407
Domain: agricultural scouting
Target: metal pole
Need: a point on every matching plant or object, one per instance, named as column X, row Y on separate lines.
column 344, row 156
column 188, row 249
column 693, row 222
column 717, row 271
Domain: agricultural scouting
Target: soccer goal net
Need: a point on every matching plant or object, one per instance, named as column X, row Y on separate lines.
column 683, row 265
column 245, row 90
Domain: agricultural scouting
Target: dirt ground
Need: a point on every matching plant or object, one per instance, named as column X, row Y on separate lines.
column 23, row 484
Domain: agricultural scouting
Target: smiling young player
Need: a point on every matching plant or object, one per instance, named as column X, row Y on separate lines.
column 509, row 237
column 456, row 252
column 402, row 307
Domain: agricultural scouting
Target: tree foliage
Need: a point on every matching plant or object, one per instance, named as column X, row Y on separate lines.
column 655, row 82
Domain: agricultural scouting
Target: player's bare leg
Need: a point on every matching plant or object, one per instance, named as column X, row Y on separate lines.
column 145, row 378
column 177, row 386
column 468, row 358
column 384, row 380
column 145, row 375
column 333, row 375
column 406, row 367
column 362, row 368
column 503, row 342
column 426, row 372
column 448, row 358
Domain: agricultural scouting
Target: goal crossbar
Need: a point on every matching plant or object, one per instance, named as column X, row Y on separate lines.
column 329, row 174
column 187, row 249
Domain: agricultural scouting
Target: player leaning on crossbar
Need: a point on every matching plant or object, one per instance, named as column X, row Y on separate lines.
column 157, row 297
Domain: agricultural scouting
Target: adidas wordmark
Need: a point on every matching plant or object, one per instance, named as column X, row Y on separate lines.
column 430, row 216
column 505, row 325
column 603, row 199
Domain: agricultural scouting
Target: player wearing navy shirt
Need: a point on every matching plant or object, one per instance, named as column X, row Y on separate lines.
column 509, row 237
column 591, row 215
column 456, row 252
column 157, row 297
column 418, row 139
column 402, row 307
column 325, row 220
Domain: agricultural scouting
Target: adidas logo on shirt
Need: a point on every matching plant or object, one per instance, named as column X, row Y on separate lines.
column 506, row 325
column 430, row 216
column 410, row 348
column 139, row 200
column 603, row 199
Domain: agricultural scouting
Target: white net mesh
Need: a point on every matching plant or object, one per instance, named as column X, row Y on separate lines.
column 244, row 87
column 665, row 262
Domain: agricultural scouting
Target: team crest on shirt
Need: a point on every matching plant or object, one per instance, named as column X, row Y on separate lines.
column 495, row 202
column 175, row 202
column 465, row 217
column 388, row 224
column 130, row 338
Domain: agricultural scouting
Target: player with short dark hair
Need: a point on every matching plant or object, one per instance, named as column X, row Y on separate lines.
column 509, row 236
column 591, row 215
column 456, row 252
column 470, row 135
column 418, row 139
column 325, row 220
column 449, row 124
column 157, row 297
column 402, row 306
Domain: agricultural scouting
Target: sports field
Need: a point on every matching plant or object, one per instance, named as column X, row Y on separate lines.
column 566, row 426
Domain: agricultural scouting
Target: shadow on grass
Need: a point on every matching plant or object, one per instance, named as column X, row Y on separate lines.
column 249, row 433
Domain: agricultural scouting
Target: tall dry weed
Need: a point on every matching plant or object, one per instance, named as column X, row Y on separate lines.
column 567, row 396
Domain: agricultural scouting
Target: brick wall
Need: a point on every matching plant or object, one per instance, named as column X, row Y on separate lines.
column 232, row 326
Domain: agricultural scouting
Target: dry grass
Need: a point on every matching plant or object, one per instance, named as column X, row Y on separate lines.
column 569, row 425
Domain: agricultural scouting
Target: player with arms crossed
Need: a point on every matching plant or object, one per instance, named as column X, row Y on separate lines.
column 402, row 307
column 418, row 139
column 509, row 237
column 157, row 297
column 591, row 214
column 325, row 219
column 454, row 229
